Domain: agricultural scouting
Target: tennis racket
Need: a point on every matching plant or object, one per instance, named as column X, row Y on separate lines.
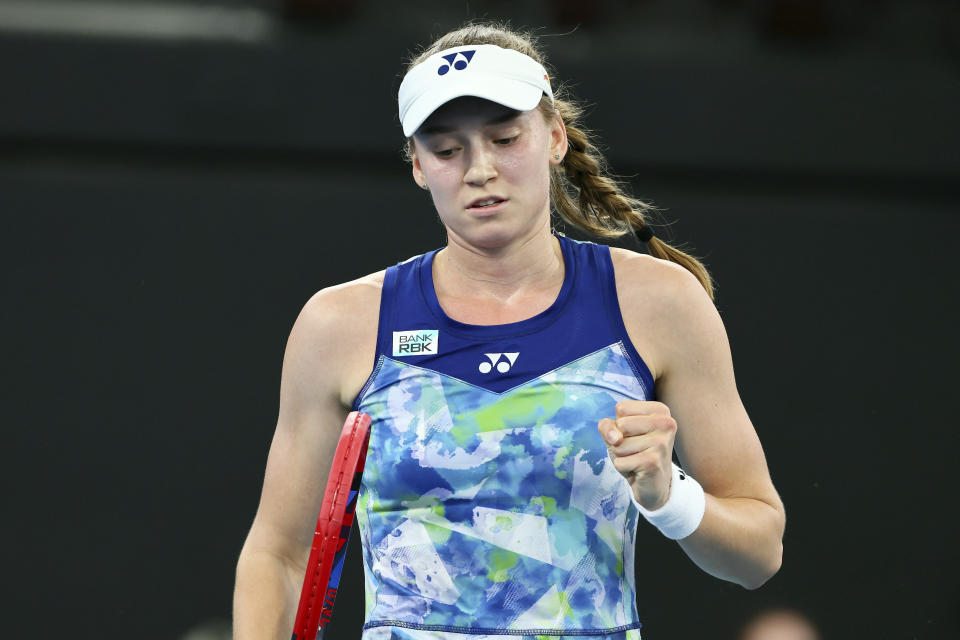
column 333, row 530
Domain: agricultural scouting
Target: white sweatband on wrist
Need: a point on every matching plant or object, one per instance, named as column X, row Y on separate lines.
column 681, row 514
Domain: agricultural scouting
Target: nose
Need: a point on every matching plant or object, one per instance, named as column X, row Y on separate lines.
column 482, row 166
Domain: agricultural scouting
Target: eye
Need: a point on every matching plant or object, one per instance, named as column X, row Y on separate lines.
column 444, row 153
column 505, row 141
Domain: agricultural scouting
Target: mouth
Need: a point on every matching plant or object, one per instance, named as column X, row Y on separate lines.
column 488, row 202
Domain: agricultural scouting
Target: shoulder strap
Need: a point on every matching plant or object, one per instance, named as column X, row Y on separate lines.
column 612, row 305
column 388, row 311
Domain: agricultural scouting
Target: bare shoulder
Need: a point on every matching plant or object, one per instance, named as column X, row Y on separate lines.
column 660, row 302
column 338, row 327
column 328, row 304
column 641, row 273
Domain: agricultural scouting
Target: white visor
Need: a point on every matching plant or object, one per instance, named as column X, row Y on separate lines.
column 487, row 71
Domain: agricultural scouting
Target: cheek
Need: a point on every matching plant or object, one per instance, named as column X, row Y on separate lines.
column 440, row 172
column 527, row 165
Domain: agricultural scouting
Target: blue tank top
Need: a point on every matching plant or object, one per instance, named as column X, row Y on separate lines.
column 489, row 506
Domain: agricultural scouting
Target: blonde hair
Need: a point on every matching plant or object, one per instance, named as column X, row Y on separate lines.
column 582, row 191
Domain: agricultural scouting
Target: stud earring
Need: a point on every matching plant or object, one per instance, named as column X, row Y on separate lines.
column 556, row 156
column 425, row 186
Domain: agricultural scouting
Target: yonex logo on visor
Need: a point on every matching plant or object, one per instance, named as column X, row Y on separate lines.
column 504, row 76
column 457, row 64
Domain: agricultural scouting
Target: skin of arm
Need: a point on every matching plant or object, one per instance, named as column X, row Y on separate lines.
column 670, row 318
column 315, row 393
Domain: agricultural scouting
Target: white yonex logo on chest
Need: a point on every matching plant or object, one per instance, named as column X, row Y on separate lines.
column 503, row 364
column 424, row 342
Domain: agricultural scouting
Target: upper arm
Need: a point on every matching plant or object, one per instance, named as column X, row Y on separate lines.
column 716, row 441
column 308, row 426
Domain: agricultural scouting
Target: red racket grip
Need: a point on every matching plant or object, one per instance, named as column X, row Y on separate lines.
column 333, row 528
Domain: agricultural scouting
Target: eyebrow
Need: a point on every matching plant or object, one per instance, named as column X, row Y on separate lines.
column 438, row 128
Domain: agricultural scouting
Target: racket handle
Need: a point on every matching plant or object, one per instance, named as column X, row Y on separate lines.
column 319, row 634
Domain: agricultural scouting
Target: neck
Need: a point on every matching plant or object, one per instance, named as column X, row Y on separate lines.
column 530, row 262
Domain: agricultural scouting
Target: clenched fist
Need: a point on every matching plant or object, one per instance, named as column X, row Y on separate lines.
column 640, row 443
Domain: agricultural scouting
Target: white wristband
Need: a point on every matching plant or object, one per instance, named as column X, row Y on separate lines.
column 681, row 514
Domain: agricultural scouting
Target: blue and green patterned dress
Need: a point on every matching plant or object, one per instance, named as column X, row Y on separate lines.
column 489, row 508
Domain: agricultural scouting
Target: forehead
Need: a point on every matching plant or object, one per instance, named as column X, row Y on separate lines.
column 468, row 112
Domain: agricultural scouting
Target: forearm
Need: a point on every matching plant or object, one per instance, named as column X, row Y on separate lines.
column 739, row 540
column 265, row 597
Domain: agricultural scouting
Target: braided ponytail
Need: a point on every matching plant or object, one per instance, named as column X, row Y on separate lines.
column 586, row 196
column 581, row 190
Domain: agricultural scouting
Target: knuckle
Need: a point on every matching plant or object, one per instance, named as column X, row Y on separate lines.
column 665, row 423
column 660, row 408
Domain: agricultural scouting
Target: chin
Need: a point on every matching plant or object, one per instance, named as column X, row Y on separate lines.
column 490, row 235
column 493, row 232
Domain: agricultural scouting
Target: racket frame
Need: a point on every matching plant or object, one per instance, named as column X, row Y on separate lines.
column 334, row 523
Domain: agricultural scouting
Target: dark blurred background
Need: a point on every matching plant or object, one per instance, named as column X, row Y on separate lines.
column 177, row 179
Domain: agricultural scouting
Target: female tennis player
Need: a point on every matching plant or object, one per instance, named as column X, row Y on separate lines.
column 527, row 391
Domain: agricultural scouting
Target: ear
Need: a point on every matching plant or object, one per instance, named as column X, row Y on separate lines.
column 558, row 140
column 417, row 170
